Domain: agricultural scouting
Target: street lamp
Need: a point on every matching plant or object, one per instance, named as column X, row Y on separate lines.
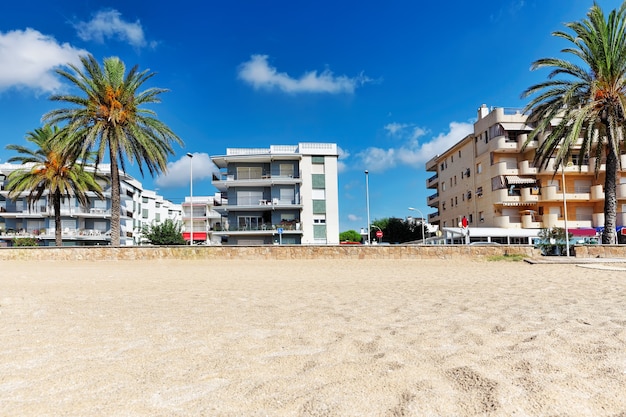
column 190, row 197
column 414, row 209
column 565, row 211
column 367, row 202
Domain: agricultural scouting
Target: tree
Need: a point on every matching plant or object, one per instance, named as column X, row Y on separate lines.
column 588, row 102
column 350, row 236
column 167, row 233
column 397, row 230
column 51, row 168
column 111, row 120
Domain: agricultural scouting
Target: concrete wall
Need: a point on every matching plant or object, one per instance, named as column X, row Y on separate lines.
column 264, row 252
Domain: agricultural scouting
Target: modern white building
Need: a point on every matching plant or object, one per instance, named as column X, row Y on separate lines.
column 82, row 226
column 201, row 219
column 284, row 194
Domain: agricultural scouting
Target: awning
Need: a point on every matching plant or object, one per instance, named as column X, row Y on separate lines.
column 196, row 235
column 518, row 203
column 582, row 232
column 515, row 180
column 515, row 126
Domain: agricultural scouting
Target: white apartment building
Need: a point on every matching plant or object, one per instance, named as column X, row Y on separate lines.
column 200, row 217
column 284, row 194
column 488, row 178
column 82, row 226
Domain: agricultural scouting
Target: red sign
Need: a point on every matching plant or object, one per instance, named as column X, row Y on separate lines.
column 379, row 234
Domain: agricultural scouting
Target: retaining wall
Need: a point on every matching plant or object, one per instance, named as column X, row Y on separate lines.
column 98, row 253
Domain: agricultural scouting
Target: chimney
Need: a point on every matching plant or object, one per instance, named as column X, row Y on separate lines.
column 483, row 111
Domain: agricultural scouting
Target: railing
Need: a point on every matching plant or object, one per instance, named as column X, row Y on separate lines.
column 432, row 197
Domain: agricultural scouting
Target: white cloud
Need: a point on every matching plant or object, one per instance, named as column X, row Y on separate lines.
column 353, row 217
column 343, row 155
column 108, row 24
column 179, row 172
column 258, row 73
column 413, row 152
column 394, row 128
column 28, row 59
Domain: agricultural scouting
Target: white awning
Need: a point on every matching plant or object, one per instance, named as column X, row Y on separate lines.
column 515, row 126
column 514, row 179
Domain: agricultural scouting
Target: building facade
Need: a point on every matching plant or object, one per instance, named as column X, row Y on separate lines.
column 200, row 219
column 490, row 178
column 284, row 194
column 82, row 226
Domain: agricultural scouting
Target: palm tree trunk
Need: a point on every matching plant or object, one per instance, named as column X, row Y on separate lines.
column 58, row 232
column 115, row 200
column 610, row 197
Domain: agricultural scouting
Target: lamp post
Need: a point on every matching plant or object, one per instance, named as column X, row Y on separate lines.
column 190, row 197
column 565, row 211
column 367, row 202
column 420, row 213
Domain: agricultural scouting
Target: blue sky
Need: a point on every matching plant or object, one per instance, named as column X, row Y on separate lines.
column 392, row 83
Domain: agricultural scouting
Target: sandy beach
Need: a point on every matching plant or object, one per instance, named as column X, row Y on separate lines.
column 311, row 338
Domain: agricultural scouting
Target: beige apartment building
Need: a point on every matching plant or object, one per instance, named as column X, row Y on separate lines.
column 490, row 180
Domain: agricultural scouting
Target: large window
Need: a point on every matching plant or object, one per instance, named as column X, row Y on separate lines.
column 318, row 181
column 249, row 173
column 319, row 206
column 249, row 198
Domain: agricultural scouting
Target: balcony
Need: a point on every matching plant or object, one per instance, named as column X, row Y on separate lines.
column 597, row 193
column 526, row 168
column 503, row 144
column 501, row 168
column 553, row 193
column 223, row 181
column 433, row 200
column 261, row 205
column 432, row 181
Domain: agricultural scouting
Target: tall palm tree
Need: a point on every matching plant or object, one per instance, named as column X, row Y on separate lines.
column 53, row 169
column 588, row 102
column 110, row 120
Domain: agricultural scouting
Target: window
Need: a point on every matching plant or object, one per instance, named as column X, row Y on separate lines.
column 451, row 158
column 249, row 173
column 443, row 186
column 481, row 216
column 157, row 217
column 455, row 180
column 442, row 166
column 319, row 206
column 479, row 192
column 479, row 168
column 443, row 205
column 286, row 170
column 471, row 218
column 286, row 195
column 317, row 159
column 144, row 213
column 249, row 198
column 319, row 231
column 459, row 153
column 144, row 199
column 319, row 221
column 318, row 181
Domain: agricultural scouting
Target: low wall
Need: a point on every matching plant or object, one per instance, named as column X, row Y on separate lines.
column 99, row 253
column 600, row 251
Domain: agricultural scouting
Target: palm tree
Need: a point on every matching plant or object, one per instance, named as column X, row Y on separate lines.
column 110, row 119
column 589, row 102
column 52, row 169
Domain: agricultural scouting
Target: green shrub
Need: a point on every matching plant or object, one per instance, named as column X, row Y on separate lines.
column 25, row 241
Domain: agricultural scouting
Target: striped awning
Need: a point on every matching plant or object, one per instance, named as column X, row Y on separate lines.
column 516, row 180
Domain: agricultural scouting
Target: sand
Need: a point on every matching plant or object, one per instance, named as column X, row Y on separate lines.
column 311, row 338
